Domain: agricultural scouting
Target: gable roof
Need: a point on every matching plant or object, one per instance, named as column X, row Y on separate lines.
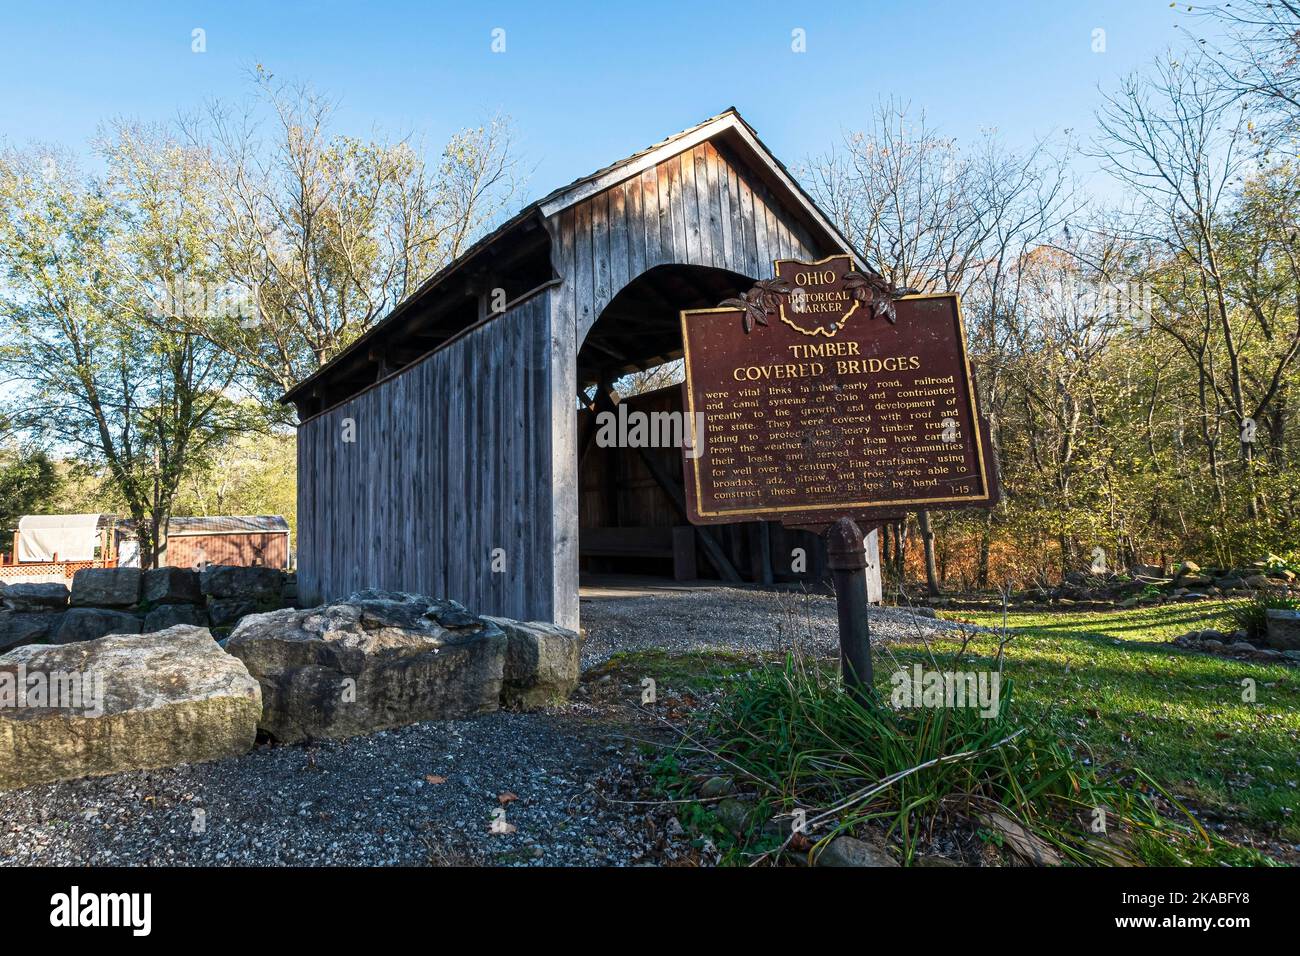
column 729, row 120
column 727, row 123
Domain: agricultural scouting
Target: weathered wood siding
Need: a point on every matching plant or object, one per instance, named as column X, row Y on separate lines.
column 697, row 208
column 452, row 459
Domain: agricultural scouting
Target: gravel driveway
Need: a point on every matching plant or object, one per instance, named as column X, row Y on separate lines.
column 426, row 794
column 423, row 794
column 681, row 619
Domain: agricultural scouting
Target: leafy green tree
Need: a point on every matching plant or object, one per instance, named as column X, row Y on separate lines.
column 255, row 474
column 97, row 316
column 28, row 482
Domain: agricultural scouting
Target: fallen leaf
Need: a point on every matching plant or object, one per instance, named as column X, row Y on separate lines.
column 434, row 778
column 506, row 797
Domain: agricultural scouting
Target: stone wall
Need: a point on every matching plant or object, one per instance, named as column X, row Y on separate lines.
column 130, row 601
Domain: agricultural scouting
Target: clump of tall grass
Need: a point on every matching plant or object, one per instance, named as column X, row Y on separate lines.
column 1251, row 615
column 792, row 733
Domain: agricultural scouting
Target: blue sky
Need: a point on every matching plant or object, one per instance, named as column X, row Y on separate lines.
column 584, row 83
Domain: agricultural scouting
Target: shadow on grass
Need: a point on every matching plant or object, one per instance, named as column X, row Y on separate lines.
column 1102, row 628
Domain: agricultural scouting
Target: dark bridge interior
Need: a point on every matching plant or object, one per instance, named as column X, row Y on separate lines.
column 641, row 328
column 631, row 508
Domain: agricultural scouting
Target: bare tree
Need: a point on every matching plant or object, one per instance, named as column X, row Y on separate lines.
column 1261, row 61
column 651, row 379
column 935, row 217
column 1179, row 141
column 329, row 232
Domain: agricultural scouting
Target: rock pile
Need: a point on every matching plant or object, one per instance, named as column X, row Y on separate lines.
column 1236, row 645
column 380, row 659
column 1149, row 586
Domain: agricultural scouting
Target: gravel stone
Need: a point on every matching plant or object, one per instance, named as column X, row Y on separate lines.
column 736, row 619
column 351, row 802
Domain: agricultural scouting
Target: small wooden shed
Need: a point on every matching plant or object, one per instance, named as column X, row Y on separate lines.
column 440, row 452
column 244, row 540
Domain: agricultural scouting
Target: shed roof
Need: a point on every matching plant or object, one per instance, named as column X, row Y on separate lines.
column 226, row 524
column 96, row 522
column 729, row 122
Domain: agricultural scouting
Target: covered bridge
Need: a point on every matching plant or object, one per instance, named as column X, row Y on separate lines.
column 440, row 452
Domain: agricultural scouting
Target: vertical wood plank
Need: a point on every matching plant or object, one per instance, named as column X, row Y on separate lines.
column 727, row 258
column 584, row 285
column 619, row 254
column 600, row 251
column 752, row 262
column 635, row 225
column 667, row 245
column 650, row 217
column 690, row 208
column 706, row 194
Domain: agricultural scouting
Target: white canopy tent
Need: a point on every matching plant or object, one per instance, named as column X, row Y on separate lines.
column 71, row 537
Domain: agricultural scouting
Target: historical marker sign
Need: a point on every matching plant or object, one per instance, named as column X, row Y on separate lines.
column 822, row 396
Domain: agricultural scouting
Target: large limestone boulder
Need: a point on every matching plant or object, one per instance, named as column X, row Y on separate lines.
column 172, row 586
column 250, row 584
column 50, row 596
column 106, row 587
column 379, row 659
column 89, row 623
column 122, row 702
column 543, row 662
column 169, row 615
column 27, row 627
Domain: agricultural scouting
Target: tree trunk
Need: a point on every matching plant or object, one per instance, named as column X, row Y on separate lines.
column 900, row 551
column 927, row 541
column 986, row 543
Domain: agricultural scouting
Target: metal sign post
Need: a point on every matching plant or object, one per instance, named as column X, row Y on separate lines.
column 846, row 556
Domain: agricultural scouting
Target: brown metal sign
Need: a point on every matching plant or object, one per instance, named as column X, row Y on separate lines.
column 819, row 394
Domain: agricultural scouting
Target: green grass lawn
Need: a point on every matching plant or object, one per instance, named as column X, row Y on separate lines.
column 1110, row 687
column 1176, row 714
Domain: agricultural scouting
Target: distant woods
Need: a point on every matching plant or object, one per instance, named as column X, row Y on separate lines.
column 1139, row 363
